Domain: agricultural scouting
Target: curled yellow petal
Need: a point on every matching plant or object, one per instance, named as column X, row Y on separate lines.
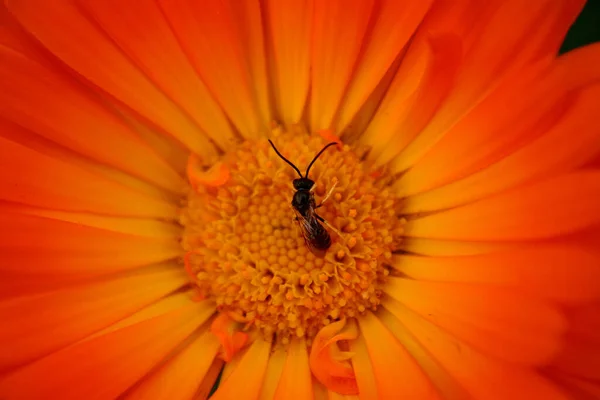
column 217, row 175
column 328, row 362
column 232, row 341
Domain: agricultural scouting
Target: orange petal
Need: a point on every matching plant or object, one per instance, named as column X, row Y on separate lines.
column 109, row 69
column 446, row 386
column 569, row 144
column 288, row 32
column 492, row 52
column 246, row 379
column 320, row 392
column 338, row 30
column 433, row 247
column 482, row 377
column 106, row 365
column 217, row 175
column 37, row 144
column 329, row 136
column 393, row 23
column 553, row 207
column 295, row 380
column 564, row 273
column 580, row 389
column 210, row 379
column 581, row 353
column 363, row 369
column 147, row 228
column 179, row 377
column 498, row 322
column 232, row 341
column 28, row 97
column 474, row 144
column 423, row 80
column 396, row 372
column 326, row 358
column 209, row 35
column 48, row 182
column 14, row 37
column 142, row 33
column 52, row 247
column 273, row 373
column 75, row 312
column 249, row 19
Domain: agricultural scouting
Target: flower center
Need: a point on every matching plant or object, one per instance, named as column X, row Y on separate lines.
column 246, row 250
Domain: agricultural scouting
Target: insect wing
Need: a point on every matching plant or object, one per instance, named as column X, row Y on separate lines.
column 308, row 226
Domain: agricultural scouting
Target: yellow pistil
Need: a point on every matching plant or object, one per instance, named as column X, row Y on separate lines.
column 245, row 251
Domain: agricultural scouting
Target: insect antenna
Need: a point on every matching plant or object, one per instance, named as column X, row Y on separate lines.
column 285, row 159
column 317, row 156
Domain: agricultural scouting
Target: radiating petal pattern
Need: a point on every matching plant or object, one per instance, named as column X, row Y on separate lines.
column 396, row 372
column 542, row 270
column 179, row 376
column 148, row 247
column 52, row 247
column 116, row 359
column 498, row 322
column 65, row 321
column 247, row 377
column 115, row 74
column 557, row 206
column 481, row 376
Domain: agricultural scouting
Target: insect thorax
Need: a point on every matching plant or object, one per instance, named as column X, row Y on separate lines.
column 302, row 201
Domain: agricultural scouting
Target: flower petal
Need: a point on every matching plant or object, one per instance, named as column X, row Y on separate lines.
column 36, row 144
column 557, row 150
column 557, row 206
column 142, row 33
column 363, row 369
column 109, row 69
column 580, row 355
column 491, row 53
column 273, row 373
column 246, row 379
column 392, row 25
column 482, row 377
column 565, row 273
column 423, row 80
column 580, row 389
column 28, row 97
column 338, row 30
column 288, row 31
column 106, row 365
column 140, row 227
column 295, row 381
column 433, row 247
column 498, row 322
column 325, row 358
column 73, row 313
column 210, row 36
column 396, row 372
column 74, row 249
column 542, row 101
column 443, row 382
column 48, row 182
column 180, row 376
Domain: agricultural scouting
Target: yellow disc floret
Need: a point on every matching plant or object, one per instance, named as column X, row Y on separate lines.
column 245, row 250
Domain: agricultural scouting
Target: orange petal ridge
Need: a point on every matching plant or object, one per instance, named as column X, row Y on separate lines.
column 328, row 363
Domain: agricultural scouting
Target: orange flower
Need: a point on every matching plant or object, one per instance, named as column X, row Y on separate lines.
column 148, row 240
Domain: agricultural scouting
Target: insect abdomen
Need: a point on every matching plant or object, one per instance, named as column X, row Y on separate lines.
column 321, row 239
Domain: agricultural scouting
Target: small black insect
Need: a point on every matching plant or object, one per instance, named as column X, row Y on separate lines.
column 315, row 235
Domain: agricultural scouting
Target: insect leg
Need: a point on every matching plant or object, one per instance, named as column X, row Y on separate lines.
column 328, row 194
column 327, row 224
